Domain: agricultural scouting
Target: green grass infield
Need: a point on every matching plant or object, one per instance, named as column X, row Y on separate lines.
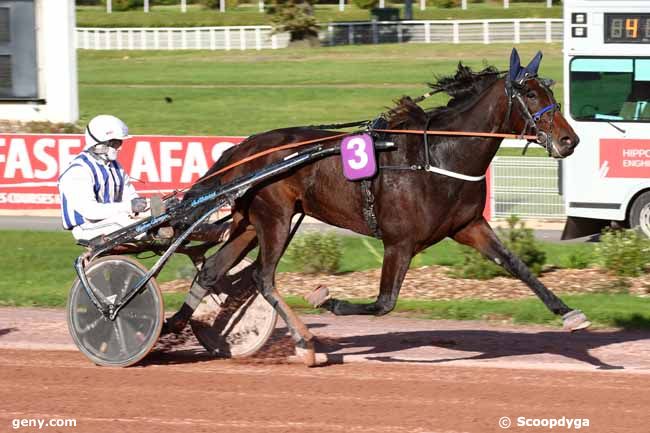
column 247, row 14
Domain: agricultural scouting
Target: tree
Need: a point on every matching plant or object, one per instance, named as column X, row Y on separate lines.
column 295, row 17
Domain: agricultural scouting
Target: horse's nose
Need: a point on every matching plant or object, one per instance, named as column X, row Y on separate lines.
column 570, row 143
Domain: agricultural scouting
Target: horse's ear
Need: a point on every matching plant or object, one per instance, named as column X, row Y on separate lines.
column 533, row 66
column 515, row 65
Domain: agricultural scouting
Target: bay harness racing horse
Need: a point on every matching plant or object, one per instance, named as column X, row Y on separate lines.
column 428, row 188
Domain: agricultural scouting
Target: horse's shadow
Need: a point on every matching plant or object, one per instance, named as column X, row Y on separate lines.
column 484, row 344
column 390, row 347
column 6, row 331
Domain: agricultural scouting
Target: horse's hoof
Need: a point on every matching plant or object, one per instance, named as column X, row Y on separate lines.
column 173, row 326
column 318, row 296
column 575, row 320
column 308, row 356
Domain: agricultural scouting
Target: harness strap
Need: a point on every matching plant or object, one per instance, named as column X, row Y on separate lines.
column 369, row 208
column 454, row 174
column 538, row 115
column 340, row 125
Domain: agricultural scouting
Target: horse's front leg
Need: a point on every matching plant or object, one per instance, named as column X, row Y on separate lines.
column 480, row 236
column 397, row 257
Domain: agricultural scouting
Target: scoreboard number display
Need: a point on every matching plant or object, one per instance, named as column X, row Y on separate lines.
column 627, row 28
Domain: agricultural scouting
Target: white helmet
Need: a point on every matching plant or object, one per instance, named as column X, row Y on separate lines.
column 103, row 128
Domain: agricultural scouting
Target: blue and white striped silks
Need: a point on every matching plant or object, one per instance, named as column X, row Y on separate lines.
column 90, row 190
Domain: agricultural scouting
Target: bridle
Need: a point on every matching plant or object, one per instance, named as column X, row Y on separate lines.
column 514, row 92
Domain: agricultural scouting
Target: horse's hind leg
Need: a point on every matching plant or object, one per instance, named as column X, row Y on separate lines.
column 241, row 241
column 481, row 236
column 397, row 257
column 273, row 234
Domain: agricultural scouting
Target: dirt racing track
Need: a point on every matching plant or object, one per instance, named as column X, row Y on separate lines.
column 387, row 374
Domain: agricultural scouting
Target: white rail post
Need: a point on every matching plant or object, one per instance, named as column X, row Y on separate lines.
column 242, row 39
column 118, row 35
column 183, row 6
column 350, row 34
column 506, row 4
column 261, row 5
column 86, row 39
column 108, row 39
column 226, row 37
column 517, row 31
column 549, row 3
column 382, row 4
column 143, row 40
column 146, row 6
column 156, row 39
column 109, row 6
column 130, row 39
column 258, row 39
column 184, row 39
column 274, row 42
column 456, row 32
column 427, row 32
column 222, row 5
column 463, row 5
column 400, row 36
column 198, row 39
column 170, row 39
column 486, row 32
column 549, row 31
column 423, row 4
column 341, row 5
column 330, row 34
column 213, row 39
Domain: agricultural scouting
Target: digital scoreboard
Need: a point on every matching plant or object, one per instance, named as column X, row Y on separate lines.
column 633, row 28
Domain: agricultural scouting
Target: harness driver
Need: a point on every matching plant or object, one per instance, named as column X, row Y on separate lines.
column 97, row 196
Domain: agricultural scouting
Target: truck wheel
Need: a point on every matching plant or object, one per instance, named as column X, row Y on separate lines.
column 640, row 213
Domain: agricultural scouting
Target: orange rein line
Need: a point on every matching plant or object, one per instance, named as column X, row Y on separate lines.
column 259, row 155
column 331, row 137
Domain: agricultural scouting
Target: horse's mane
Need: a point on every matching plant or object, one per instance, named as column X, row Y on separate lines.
column 464, row 87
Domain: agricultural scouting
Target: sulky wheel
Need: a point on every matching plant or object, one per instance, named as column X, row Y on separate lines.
column 127, row 339
column 236, row 322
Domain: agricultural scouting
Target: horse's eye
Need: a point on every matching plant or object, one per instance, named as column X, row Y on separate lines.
column 531, row 95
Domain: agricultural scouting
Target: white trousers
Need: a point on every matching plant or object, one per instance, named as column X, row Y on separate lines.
column 90, row 230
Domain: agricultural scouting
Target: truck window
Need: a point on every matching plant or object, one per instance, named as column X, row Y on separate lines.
column 610, row 89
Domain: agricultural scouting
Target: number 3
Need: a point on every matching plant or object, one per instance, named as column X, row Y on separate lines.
column 359, row 147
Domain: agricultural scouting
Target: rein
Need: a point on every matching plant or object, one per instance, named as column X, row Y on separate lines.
column 369, row 128
column 332, row 137
column 259, row 155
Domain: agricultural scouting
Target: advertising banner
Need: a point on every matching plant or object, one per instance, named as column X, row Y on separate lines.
column 30, row 164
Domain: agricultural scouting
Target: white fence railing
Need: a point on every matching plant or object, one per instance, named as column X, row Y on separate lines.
column 366, row 32
column 179, row 38
column 527, row 187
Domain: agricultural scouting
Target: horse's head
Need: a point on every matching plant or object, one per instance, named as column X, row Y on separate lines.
column 533, row 109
